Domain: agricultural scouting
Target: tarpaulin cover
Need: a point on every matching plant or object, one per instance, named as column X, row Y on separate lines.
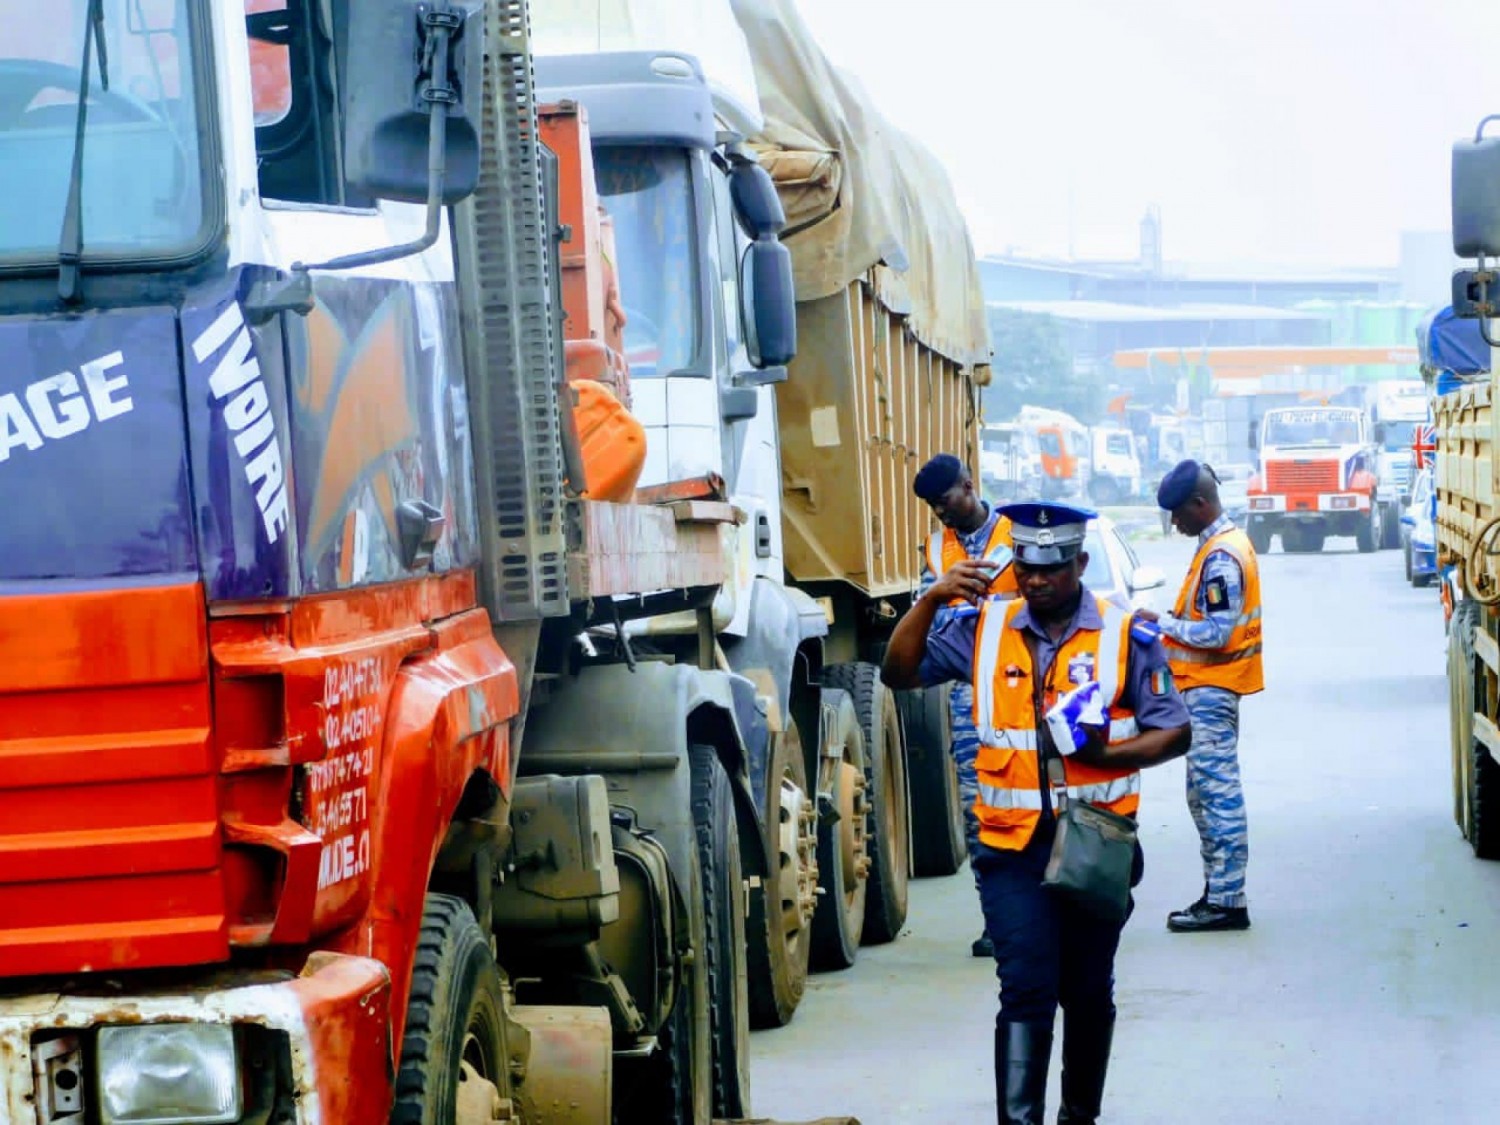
column 1448, row 343
column 860, row 195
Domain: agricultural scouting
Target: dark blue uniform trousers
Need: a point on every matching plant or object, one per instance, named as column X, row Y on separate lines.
column 1046, row 952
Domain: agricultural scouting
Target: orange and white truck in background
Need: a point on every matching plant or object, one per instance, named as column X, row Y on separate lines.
column 332, row 791
column 1315, row 477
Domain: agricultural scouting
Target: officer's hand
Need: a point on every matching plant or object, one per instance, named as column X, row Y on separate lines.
column 1147, row 615
column 1094, row 751
column 969, row 579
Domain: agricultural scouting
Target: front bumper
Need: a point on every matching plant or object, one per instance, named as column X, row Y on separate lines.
column 335, row 1018
column 1323, row 503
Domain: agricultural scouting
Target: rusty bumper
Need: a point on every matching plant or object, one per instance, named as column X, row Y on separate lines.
column 335, row 1016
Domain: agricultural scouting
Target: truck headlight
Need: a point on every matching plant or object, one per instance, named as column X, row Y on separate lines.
column 168, row 1074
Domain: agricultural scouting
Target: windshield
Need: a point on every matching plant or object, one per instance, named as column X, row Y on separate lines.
column 1399, row 436
column 1312, row 427
column 142, row 184
column 649, row 196
column 1118, row 444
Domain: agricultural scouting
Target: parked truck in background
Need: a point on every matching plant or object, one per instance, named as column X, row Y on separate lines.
column 893, row 348
column 334, row 791
column 674, row 100
column 1315, row 477
column 1396, row 407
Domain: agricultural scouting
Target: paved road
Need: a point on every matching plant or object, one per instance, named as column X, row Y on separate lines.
column 1368, row 989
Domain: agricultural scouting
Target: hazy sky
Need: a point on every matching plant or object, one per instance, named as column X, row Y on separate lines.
column 1299, row 131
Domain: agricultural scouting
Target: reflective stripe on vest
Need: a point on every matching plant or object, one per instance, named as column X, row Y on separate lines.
column 1237, row 666
column 945, row 550
column 1009, row 802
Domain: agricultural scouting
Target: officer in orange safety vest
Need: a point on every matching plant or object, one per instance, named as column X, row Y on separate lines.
column 1213, row 639
column 1021, row 655
column 971, row 530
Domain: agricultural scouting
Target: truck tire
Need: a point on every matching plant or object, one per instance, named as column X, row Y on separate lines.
column 781, row 908
column 1407, row 561
column 1105, row 491
column 937, row 815
column 890, row 810
column 1461, row 709
column 1368, row 536
column 723, row 871
column 1484, row 802
column 843, row 862
column 1390, row 527
column 453, row 1053
column 674, row 1084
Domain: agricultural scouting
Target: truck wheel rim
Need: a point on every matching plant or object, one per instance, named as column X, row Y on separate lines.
column 797, row 878
column 853, row 816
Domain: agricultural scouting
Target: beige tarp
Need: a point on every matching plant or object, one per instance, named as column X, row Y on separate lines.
column 860, row 194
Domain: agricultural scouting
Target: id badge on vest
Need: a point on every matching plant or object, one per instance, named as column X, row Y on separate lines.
column 1081, row 669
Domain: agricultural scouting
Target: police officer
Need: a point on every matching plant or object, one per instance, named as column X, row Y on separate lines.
column 1213, row 640
column 971, row 530
column 1020, row 655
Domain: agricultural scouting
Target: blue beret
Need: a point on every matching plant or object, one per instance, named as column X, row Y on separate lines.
column 1178, row 486
column 937, row 476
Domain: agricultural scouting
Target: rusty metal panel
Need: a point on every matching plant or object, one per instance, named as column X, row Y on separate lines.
column 636, row 549
column 865, row 404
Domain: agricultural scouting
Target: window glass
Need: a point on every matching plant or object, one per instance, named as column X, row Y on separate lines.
column 270, row 70
column 648, row 192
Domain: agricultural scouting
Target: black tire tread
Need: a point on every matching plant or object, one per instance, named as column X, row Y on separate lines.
column 937, row 824
column 448, row 934
column 711, row 805
column 832, row 947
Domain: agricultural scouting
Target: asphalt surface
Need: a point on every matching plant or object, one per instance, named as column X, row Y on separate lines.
column 1367, row 989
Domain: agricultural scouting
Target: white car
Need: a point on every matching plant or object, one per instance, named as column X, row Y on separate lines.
column 1114, row 571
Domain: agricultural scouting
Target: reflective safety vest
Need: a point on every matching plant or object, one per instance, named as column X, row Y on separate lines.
column 945, row 550
column 1237, row 666
column 1009, row 805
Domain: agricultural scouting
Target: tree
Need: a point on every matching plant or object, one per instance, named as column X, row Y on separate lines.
column 1033, row 366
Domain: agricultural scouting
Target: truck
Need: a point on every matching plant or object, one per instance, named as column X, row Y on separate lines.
column 1457, row 345
column 334, row 790
column 1396, row 407
column 1315, row 477
column 1114, row 466
column 1006, row 466
column 674, row 94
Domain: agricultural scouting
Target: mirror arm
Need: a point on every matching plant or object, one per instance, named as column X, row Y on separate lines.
column 442, row 24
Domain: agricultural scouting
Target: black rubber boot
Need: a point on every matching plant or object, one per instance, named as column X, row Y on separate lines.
column 1022, row 1052
column 1085, row 1061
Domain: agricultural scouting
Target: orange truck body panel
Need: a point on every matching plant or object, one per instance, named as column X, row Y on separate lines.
column 145, row 788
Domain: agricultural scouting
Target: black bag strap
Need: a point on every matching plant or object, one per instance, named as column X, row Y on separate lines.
column 1054, row 780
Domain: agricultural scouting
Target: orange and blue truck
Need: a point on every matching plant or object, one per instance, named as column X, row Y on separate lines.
column 333, row 790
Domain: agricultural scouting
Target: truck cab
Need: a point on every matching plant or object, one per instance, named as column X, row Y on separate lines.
column 1316, row 477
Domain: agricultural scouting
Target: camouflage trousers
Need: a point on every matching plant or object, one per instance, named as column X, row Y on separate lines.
column 1214, row 795
column 965, row 746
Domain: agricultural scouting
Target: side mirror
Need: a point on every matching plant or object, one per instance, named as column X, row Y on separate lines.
column 1379, row 433
column 1476, row 195
column 1254, row 435
column 768, row 304
column 1147, row 578
column 409, row 64
column 756, row 204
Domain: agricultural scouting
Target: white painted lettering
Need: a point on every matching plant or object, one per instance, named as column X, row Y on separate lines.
column 16, row 428
column 246, row 407
column 248, row 415
column 102, row 390
column 217, row 334
column 68, row 415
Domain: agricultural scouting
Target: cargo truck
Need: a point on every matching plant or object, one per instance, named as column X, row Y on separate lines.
column 1456, row 347
column 331, row 788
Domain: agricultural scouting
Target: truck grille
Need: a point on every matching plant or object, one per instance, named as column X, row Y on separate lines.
column 1302, row 476
column 109, row 827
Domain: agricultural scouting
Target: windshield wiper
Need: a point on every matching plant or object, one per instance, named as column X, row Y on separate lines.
column 70, row 244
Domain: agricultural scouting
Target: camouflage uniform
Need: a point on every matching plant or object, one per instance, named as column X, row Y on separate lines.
column 1214, row 795
column 965, row 744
